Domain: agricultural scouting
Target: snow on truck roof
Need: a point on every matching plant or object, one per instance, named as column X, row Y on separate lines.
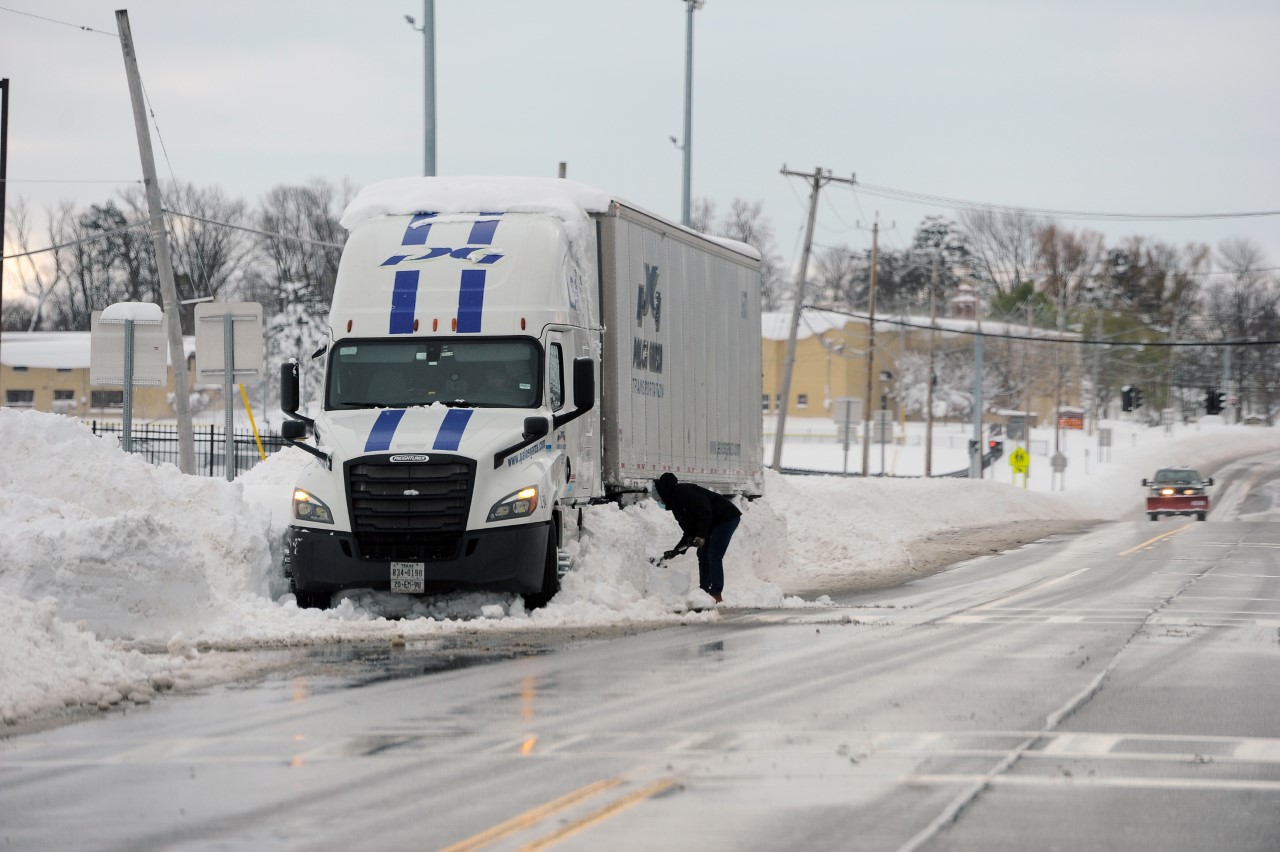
column 569, row 201
column 564, row 199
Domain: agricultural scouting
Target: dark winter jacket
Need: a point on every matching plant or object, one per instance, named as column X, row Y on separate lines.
column 698, row 510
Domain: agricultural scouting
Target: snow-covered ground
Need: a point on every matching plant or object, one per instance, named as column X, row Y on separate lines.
column 119, row 578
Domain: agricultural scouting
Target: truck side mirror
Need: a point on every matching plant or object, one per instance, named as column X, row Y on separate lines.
column 1145, row 483
column 289, row 388
column 535, row 427
column 584, row 391
column 1208, row 482
column 293, row 430
column 584, row 384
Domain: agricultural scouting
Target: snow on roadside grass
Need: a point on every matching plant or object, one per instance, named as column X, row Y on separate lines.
column 102, row 554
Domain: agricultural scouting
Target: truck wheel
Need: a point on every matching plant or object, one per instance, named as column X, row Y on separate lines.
column 1155, row 516
column 550, row 576
column 311, row 600
column 1200, row 516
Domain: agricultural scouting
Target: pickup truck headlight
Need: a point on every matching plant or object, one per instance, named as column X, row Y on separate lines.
column 1165, row 492
column 308, row 507
column 516, row 505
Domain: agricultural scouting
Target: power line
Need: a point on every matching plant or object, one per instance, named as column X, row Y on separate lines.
column 144, row 224
column 256, row 231
column 66, row 180
column 56, row 21
column 958, row 203
column 103, row 235
column 1045, row 339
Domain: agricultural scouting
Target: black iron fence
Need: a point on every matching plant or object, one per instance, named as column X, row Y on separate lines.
column 159, row 444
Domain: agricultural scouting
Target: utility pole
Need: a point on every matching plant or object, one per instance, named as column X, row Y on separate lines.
column 428, row 30
column 1229, row 409
column 928, row 394
column 975, row 456
column 687, row 146
column 817, row 180
column 871, row 347
column 1031, row 376
column 164, row 263
column 4, row 178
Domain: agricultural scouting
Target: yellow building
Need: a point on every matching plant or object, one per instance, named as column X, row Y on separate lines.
column 831, row 363
column 49, row 371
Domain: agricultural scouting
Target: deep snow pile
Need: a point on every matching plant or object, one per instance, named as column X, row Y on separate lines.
column 104, row 556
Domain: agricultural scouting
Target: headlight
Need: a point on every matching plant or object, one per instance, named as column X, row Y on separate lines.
column 308, row 507
column 516, row 505
column 1166, row 491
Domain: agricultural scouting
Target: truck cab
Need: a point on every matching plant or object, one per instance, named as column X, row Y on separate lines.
column 449, row 440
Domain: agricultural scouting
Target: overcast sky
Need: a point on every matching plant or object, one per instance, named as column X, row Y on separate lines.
column 1125, row 106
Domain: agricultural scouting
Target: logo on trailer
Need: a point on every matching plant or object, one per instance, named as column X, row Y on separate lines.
column 649, row 300
column 646, row 355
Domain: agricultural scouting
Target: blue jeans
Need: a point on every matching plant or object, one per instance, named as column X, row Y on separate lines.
column 711, row 557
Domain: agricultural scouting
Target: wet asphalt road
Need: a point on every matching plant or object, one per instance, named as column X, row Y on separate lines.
column 1112, row 690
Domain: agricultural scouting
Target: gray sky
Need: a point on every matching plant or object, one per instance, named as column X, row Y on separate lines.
column 1128, row 106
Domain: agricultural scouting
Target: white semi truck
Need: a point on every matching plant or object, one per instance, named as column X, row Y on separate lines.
column 502, row 352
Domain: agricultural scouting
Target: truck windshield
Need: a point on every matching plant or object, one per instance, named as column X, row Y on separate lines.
column 493, row 372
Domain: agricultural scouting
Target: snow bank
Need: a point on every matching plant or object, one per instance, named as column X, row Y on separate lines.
column 103, row 556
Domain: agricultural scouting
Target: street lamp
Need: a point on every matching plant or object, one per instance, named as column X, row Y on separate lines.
column 687, row 147
column 428, row 30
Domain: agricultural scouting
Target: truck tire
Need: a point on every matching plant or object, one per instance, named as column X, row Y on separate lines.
column 311, row 600
column 550, row 576
column 1200, row 516
column 1155, row 516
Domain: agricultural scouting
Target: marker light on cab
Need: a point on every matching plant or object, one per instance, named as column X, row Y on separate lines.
column 308, row 507
column 516, row 505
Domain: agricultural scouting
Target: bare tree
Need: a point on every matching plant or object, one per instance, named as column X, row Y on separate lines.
column 36, row 279
column 310, row 212
column 1244, row 305
column 842, row 276
column 746, row 223
column 1002, row 247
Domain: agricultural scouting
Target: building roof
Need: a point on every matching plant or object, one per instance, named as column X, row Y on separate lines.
column 776, row 325
column 61, row 350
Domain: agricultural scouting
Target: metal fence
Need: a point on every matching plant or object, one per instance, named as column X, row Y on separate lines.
column 159, row 444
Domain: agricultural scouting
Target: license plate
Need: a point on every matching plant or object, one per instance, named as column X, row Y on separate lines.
column 408, row 577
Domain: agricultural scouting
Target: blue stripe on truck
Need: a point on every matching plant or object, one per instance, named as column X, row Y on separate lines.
column 404, row 301
column 482, row 232
column 471, row 289
column 451, row 428
column 384, row 428
column 416, row 232
column 471, row 301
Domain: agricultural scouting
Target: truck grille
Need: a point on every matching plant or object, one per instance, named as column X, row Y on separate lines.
column 410, row 512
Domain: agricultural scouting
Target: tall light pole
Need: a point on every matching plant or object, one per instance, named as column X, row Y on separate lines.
column 687, row 147
column 428, row 30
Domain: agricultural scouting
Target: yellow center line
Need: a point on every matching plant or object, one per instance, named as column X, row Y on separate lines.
column 611, row 809
column 532, row 816
column 1154, row 539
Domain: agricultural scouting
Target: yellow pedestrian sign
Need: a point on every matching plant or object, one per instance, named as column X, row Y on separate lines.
column 1019, row 460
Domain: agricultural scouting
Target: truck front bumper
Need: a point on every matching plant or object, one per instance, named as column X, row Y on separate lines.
column 1178, row 504
column 509, row 559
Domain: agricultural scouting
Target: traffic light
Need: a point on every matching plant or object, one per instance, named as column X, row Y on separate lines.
column 1126, row 398
column 995, row 449
column 1213, row 401
column 1137, row 397
column 973, row 447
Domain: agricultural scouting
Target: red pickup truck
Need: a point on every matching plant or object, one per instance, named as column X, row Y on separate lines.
column 1177, row 491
